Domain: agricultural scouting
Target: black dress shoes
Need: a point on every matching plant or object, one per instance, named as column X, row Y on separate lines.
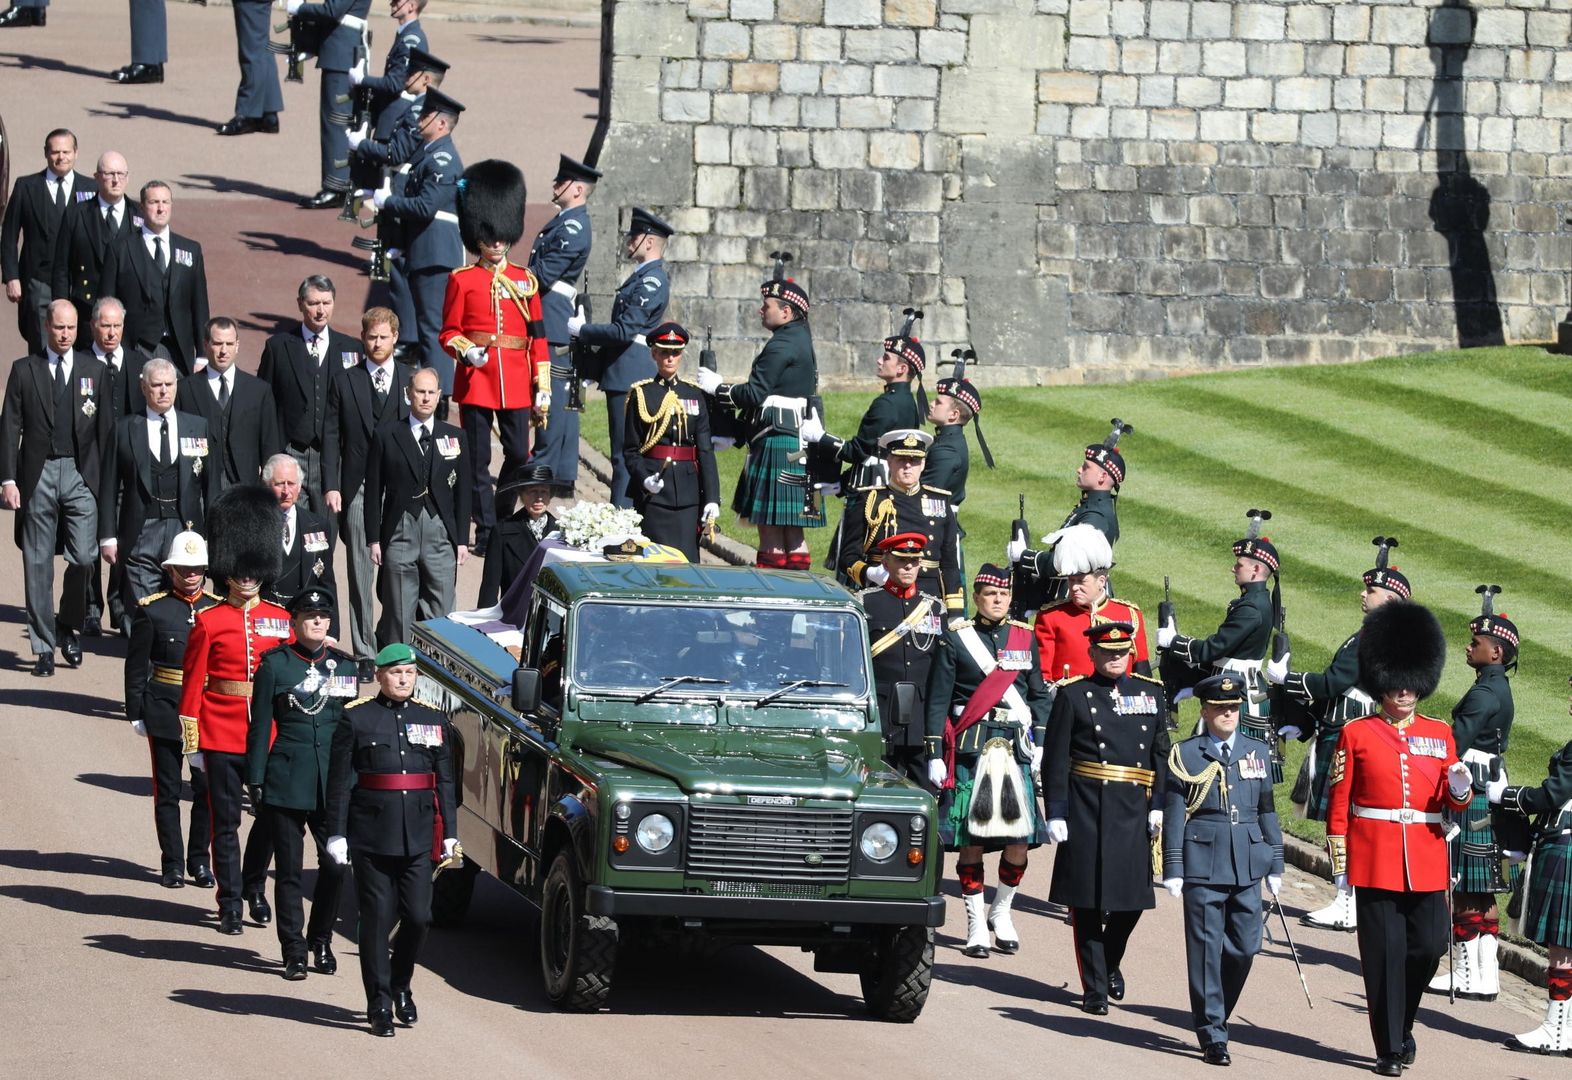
column 404, row 1006
column 201, row 876
column 382, row 1023
column 1410, row 1050
column 1097, row 1006
column 261, row 912
column 229, row 922
column 44, row 666
column 140, row 73
column 482, row 542
column 1216, row 1054
column 1116, row 984
column 172, row 878
column 295, row 968
column 250, row 125
column 24, row 16
column 71, row 648
column 1389, row 1065
column 323, row 959
column 92, row 629
column 323, row 200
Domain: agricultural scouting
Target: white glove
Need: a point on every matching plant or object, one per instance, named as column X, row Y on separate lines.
column 1175, row 886
column 356, row 136
column 379, row 199
column 1341, row 881
column 1459, row 780
column 1166, row 634
column 575, row 324
column 1496, row 788
column 711, row 512
column 828, row 491
column 1154, row 822
column 447, row 848
column 542, row 400
column 876, row 575
column 197, row 760
column 1514, row 856
column 338, row 850
column 1037, row 760
column 1277, row 670
column 812, row 428
column 1058, row 830
column 475, row 356
column 395, row 253
column 654, row 484
column 140, row 728
column 709, row 380
column 357, row 74
column 293, row 6
column 937, row 772
column 725, row 442
column 1014, row 550
column 1274, row 883
column 1289, row 731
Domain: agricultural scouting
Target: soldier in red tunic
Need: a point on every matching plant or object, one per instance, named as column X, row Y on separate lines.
column 491, row 324
column 1391, row 777
column 222, row 654
column 1082, row 556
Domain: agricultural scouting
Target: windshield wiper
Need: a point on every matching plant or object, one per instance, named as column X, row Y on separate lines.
column 668, row 681
column 795, row 684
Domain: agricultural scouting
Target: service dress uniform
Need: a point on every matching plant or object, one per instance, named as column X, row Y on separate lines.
column 667, row 434
column 390, row 794
column 1481, row 728
column 1221, row 838
column 904, row 627
column 876, row 515
column 1103, row 774
column 557, row 259
column 1238, row 645
column 154, row 677
column 296, row 705
column 496, row 309
column 427, row 213
column 1062, row 642
column 346, row 38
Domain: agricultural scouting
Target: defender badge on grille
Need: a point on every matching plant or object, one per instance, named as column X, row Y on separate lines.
column 773, row 800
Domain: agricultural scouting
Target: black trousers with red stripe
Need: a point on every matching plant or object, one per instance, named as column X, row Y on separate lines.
column 237, row 878
column 168, row 782
column 1100, row 941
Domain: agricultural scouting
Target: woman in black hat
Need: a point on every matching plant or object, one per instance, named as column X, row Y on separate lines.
column 517, row 535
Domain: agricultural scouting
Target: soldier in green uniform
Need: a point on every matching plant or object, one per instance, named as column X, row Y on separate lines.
column 1333, row 698
column 900, row 369
column 298, row 696
column 904, row 624
column 1481, row 727
column 905, row 505
column 987, row 710
column 956, row 403
column 154, row 675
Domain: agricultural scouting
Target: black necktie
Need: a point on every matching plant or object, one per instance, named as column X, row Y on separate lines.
column 223, row 392
column 425, row 447
column 60, row 378
column 60, row 194
column 1225, row 753
column 164, row 456
column 158, row 255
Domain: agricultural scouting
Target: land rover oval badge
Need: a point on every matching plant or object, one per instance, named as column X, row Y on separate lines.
column 813, row 858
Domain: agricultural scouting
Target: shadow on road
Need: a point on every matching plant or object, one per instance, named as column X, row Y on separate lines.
column 76, row 862
column 1244, row 1033
column 141, row 786
column 281, row 244
column 185, row 952
column 229, row 185
column 515, row 39
column 49, row 63
column 136, row 110
column 1078, row 1025
column 35, row 697
column 121, row 907
column 301, row 1010
column 992, row 975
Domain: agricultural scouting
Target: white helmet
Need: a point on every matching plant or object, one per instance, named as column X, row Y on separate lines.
column 187, row 549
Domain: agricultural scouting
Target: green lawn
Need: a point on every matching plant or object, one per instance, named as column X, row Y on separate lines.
column 1461, row 455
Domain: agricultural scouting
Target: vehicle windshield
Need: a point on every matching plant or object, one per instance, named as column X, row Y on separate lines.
column 754, row 651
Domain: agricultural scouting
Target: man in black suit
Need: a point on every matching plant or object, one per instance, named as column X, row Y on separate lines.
column 417, row 511
column 308, row 547
column 300, row 365
column 53, row 431
column 242, row 421
column 157, row 486
column 34, row 213
column 123, row 391
column 90, row 228
column 360, row 400
column 161, row 279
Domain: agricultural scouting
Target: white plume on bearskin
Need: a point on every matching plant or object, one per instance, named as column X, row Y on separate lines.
column 1080, row 549
column 999, row 808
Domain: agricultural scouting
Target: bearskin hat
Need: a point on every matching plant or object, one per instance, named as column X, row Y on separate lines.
column 245, row 531
column 491, row 204
column 1401, row 647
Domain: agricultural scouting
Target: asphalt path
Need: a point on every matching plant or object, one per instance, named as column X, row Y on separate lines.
column 105, row 972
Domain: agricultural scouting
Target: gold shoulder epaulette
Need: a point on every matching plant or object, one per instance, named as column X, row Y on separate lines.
column 1071, row 679
column 1147, row 678
column 360, row 701
column 957, row 624
column 148, row 599
column 930, row 596
column 640, row 383
column 209, row 593
column 940, row 490
column 1022, row 625
column 471, row 266
column 1131, row 604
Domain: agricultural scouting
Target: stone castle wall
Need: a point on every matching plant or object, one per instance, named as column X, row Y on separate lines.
column 1095, row 189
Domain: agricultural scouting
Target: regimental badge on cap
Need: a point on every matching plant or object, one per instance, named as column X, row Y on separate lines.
column 397, row 653
column 1384, row 576
column 913, row 544
column 1254, row 545
column 905, row 442
column 669, row 335
column 1111, row 636
column 781, row 287
column 1223, row 688
column 1490, row 622
column 989, row 574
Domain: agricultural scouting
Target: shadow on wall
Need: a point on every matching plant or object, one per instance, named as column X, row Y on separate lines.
column 1460, row 204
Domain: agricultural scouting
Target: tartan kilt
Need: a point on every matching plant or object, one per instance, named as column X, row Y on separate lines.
column 955, row 803
column 1549, row 917
column 1320, row 787
column 1476, row 861
column 762, row 498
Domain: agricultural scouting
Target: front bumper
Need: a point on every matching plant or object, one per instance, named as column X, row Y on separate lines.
column 926, row 911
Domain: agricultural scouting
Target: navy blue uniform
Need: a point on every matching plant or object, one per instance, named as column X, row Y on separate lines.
column 638, row 308
column 557, row 260
column 390, row 84
column 335, row 56
column 258, row 94
column 394, row 144
column 428, row 211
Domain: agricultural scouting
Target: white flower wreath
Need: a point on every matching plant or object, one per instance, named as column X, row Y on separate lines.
column 593, row 526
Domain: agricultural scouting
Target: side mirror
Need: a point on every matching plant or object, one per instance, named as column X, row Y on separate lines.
column 526, row 690
column 905, row 706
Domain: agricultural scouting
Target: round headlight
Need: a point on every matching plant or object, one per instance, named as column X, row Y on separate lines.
column 655, row 833
column 879, row 841
column 624, row 811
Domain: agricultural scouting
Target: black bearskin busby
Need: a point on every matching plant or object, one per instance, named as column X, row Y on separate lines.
column 1401, row 647
column 245, row 530
column 491, row 204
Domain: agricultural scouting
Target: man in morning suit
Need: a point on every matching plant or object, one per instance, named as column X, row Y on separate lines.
column 242, row 421
column 90, row 228
column 161, row 279
column 37, row 206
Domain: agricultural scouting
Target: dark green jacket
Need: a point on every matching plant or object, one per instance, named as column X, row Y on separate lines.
column 1482, row 718
column 293, row 771
column 893, row 410
column 949, row 459
column 1244, row 634
column 785, row 367
column 1097, row 509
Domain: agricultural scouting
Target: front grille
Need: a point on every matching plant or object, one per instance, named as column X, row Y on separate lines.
column 768, row 890
column 769, row 843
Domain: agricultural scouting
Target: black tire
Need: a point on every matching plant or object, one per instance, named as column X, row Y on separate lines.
column 895, row 984
column 577, row 951
column 451, row 893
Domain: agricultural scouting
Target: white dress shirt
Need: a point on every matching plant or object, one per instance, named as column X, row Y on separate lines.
column 147, row 241
column 153, row 420
column 217, row 378
column 116, row 209
column 289, row 528
column 386, row 369
column 316, row 344
column 113, row 359
column 59, row 183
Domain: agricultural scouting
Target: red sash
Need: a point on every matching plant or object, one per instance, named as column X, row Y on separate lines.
column 1399, row 742
column 988, row 694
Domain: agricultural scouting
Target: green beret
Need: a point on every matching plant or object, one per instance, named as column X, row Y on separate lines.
column 395, row 654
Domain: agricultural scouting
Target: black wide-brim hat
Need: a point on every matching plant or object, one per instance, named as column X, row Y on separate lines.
column 1401, row 647
column 523, row 476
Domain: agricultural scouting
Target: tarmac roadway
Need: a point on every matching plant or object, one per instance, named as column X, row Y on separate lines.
column 104, row 972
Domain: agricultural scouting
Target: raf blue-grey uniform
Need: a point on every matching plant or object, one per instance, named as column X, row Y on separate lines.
column 639, row 307
column 428, row 210
column 258, row 94
column 558, row 255
column 149, row 32
column 1222, row 849
column 387, row 87
column 335, row 57
column 395, row 144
